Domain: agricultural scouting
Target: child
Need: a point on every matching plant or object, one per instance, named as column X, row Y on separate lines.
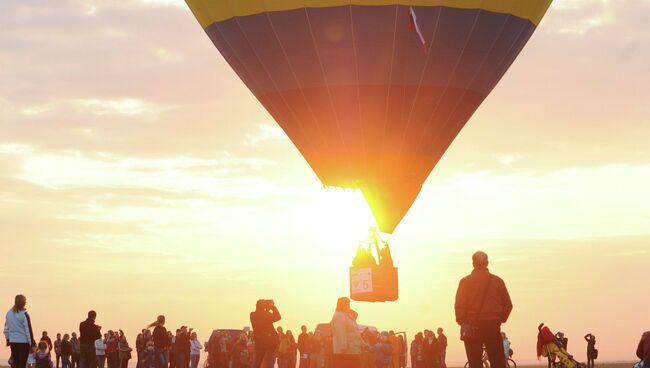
column 383, row 352
column 149, row 355
column 506, row 345
column 42, row 357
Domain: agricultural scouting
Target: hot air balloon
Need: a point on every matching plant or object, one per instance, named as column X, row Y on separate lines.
column 371, row 92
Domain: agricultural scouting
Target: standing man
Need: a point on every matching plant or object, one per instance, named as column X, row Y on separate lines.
column 394, row 345
column 429, row 349
column 47, row 341
column 88, row 333
column 266, row 337
column 183, row 348
column 57, row 349
column 303, row 347
column 442, row 345
column 482, row 305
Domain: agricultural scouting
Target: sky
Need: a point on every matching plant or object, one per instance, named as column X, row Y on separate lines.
column 138, row 176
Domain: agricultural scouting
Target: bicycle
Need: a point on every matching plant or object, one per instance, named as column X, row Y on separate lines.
column 486, row 362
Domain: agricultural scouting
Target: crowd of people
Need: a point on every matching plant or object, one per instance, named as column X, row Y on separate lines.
column 428, row 350
column 482, row 305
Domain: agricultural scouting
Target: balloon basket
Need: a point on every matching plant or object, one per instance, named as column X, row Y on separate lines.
column 374, row 284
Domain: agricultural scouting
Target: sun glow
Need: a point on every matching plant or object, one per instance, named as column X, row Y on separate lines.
column 345, row 216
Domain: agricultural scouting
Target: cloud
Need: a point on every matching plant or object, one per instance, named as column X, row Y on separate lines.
column 590, row 201
column 223, row 177
column 96, row 106
column 580, row 17
column 265, row 133
column 507, row 160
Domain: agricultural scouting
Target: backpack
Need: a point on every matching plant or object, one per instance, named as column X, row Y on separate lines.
column 41, row 361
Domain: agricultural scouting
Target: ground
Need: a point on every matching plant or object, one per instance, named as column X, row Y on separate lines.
column 601, row 365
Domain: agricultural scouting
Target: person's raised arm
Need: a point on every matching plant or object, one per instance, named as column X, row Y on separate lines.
column 587, row 337
column 275, row 314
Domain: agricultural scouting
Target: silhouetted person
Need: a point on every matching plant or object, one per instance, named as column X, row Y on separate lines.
column 506, row 345
column 442, row 344
column 112, row 355
column 57, row 349
column 76, row 350
column 303, row 347
column 346, row 338
column 18, row 332
column 66, row 351
column 643, row 350
column 429, row 346
column 482, row 300
column 100, row 352
column 364, row 257
column 562, row 340
column 385, row 259
column 183, row 347
column 417, row 351
column 47, row 341
column 160, row 341
column 548, row 346
column 124, row 350
column 88, row 333
column 592, row 353
column 42, row 357
column 266, row 337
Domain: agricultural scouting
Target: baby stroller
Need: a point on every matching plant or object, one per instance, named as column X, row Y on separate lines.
column 562, row 359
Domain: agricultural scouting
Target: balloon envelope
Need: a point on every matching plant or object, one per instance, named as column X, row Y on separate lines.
column 371, row 92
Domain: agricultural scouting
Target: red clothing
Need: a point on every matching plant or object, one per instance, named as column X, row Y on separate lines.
column 544, row 337
column 48, row 341
column 111, row 345
column 643, row 350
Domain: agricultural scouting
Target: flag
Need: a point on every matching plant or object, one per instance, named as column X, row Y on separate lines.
column 413, row 25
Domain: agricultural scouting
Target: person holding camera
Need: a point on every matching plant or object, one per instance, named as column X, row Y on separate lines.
column 592, row 352
column 482, row 305
column 266, row 337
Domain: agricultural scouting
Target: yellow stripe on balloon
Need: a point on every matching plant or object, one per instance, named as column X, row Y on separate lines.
column 211, row 11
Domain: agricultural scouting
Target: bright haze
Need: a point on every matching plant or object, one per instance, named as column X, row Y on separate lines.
column 138, row 176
